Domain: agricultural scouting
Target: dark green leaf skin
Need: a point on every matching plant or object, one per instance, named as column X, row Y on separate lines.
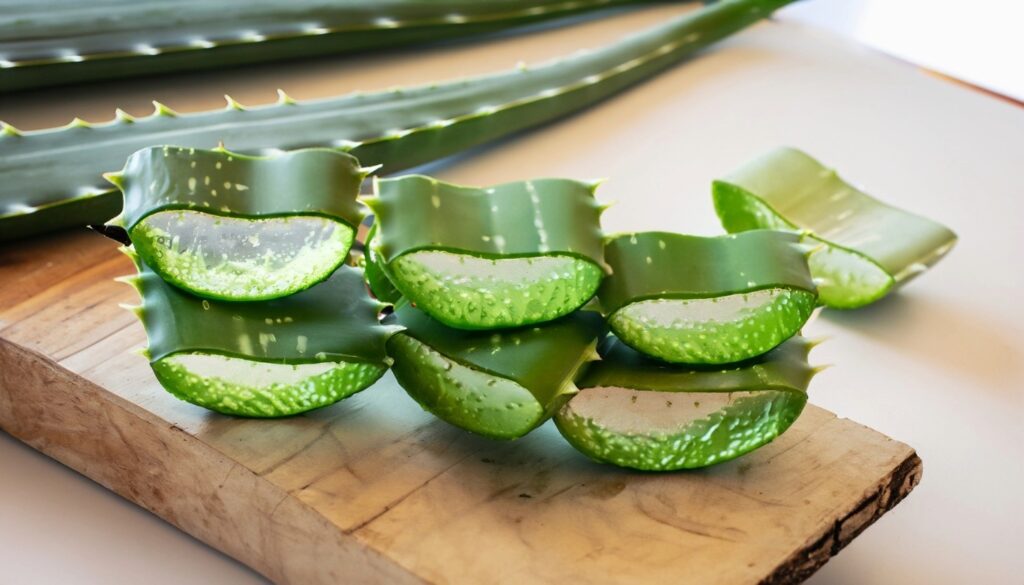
column 399, row 129
column 499, row 384
column 648, row 415
column 37, row 38
column 762, row 275
column 786, row 188
column 335, row 322
column 304, row 183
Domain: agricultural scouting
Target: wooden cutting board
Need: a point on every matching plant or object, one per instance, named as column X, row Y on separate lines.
column 374, row 490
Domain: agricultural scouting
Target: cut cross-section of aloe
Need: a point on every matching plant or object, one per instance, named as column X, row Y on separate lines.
column 697, row 300
column 497, row 384
column 268, row 358
column 484, row 258
column 636, row 412
column 233, row 227
column 865, row 247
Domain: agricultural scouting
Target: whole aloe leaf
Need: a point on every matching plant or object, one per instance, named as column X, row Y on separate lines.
column 399, row 129
column 697, row 300
column 227, row 226
column 54, row 42
column 866, row 247
column 499, row 384
column 640, row 413
column 481, row 258
column 264, row 359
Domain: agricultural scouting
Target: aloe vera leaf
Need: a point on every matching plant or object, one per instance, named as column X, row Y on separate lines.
column 57, row 42
column 232, row 227
column 866, row 247
column 484, row 258
column 499, row 384
column 376, row 277
column 399, row 129
column 636, row 412
column 264, row 359
column 697, row 300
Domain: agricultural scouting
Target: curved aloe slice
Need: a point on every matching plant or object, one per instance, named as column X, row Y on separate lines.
column 44, row 43
column 233, row 227
column 497, row 384
column 399, row 129
column 483, row 258
column 264, row 359
column 636, row 412
column 866, row 247
column 688, row 299
column 376, row 277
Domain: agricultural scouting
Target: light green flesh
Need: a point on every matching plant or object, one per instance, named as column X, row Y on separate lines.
column 713, row 330
column 469, row 292
column 476, row 401
column 845, row 279
column 238, row 386
column 241, row 259
column 665, row 431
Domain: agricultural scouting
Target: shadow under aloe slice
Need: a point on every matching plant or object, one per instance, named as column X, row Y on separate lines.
column 268, row 358
column 697, row 300
column 499, row 384
column 866, row 248
column 640, row 413
column 484, row 258
column 231, row 227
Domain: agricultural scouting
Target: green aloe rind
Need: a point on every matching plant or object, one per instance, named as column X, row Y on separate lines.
column 376, row 276
column 400, row 128
column 233, row 227
column 484, row 258
column 44, row 44
column 264, row 359
column 866, row 247
column 707, row 300
column 640, row 413
column 499, row 384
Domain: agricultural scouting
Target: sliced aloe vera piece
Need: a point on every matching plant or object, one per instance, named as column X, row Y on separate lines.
column 232, row 227
column 268, row 358
column 485, row 258
column 696, row 300
column 501, row 384
column 867, row 248
column 640, row 413
column 376, row 277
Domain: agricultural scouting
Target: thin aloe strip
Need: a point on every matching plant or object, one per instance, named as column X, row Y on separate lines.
column 376, row 276
column 233, row 227
column 867, row 248
column 264, row 359
column 640, row 413
column 399, row 129
column 484, row 258
column 499, row 384
column 707, row 300
column 57, row 42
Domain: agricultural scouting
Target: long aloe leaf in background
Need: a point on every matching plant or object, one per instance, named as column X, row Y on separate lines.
column 636, row 412
column 55, row 42
column 52, row 177
column 866, row 247
column 226, row 226
column 264, row 359
column 499, row 384
column 482, row 258
column 697, row 300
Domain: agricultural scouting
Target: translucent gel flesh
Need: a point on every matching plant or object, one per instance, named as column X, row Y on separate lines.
column 249, row 388
column 713, row 330
column 476, row 293
column 241, row 259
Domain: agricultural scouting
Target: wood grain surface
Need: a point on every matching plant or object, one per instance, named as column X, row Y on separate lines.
column 374, row 490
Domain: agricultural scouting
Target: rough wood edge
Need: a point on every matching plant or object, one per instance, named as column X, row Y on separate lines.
column 804, row 563
column 282, row 549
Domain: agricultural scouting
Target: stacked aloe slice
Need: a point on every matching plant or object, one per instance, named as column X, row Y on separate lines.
column 652, row 350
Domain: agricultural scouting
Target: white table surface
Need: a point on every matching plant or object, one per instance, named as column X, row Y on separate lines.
column 938, row 366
